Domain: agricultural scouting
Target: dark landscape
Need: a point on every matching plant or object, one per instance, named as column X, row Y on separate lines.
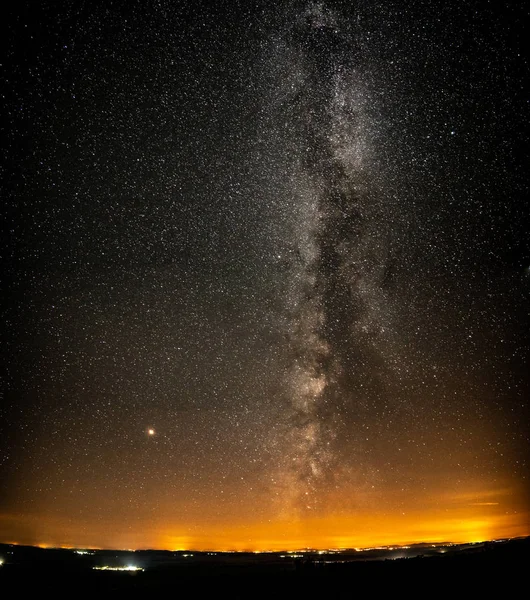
column 308, row 573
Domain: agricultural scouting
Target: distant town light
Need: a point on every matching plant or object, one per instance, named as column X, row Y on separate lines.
column 127, row 568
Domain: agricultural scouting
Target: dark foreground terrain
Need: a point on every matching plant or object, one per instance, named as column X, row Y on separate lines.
column 457, row 570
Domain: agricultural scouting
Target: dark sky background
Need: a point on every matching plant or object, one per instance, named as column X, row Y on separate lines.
column 266, row 273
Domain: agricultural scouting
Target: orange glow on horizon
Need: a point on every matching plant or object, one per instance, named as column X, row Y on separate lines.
column 361, row 531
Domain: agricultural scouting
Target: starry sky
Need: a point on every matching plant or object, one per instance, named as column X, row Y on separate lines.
column 266, row 273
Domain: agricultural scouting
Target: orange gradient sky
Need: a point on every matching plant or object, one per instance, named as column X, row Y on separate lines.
column 463, row 517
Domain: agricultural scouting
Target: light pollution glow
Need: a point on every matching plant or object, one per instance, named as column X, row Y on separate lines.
column 469, row 522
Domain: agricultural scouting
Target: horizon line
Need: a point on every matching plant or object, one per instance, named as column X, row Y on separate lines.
column 248, row 551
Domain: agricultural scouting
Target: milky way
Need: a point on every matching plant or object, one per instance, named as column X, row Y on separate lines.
column 266, row 274
column 336, row 256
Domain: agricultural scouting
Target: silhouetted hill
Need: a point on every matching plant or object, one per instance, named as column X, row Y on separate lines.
column 346, row 574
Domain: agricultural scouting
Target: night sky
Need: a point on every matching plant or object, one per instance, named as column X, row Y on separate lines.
column 266, row 273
